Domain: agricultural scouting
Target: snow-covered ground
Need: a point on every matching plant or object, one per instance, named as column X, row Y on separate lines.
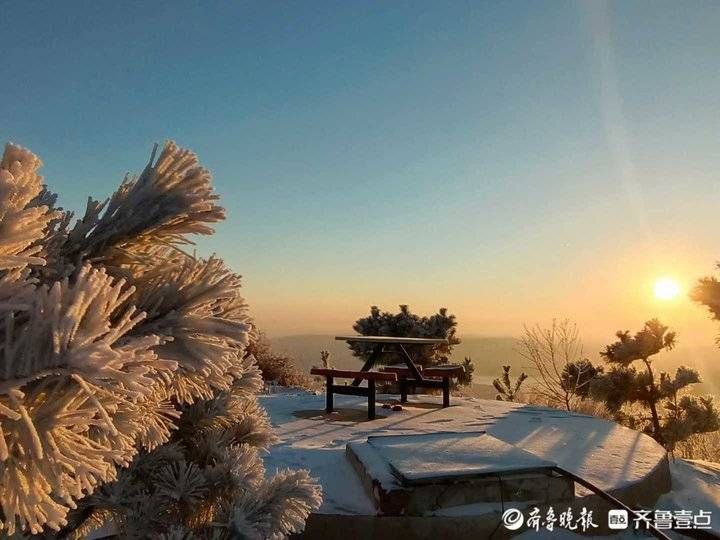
column 602, row 452
column 696, row 486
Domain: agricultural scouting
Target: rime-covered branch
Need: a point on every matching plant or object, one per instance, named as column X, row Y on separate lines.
column 127, row 398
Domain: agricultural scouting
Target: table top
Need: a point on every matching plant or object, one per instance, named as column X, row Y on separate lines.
column 392, row 340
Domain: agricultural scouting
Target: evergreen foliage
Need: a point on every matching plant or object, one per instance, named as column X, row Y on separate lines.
column 126, row 391
column 465, row 379
column 507, row 390
column 325, row 359
column 408, row 324
column 707, row 293
column 673, row 416
column 577, row 376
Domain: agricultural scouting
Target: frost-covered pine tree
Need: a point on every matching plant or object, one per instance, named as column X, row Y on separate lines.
column 405, row 323
column 675, row 415
column 127, row 398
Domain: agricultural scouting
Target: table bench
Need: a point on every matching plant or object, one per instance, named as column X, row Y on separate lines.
column 439, row 378
column 353, row 390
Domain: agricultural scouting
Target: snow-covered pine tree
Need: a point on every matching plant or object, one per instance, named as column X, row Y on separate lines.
column 674, row 415
column 126, row 394
column 405, row 323
column 507, row 390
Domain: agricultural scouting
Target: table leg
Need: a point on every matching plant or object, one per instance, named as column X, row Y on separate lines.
column 369, row 363
column 403, row 390
column 371, row 399
column 328, row 394
column 446, row 392
column 411, row 365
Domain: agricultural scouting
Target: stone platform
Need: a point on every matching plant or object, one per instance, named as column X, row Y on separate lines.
column 623, row 462
column 417, row 474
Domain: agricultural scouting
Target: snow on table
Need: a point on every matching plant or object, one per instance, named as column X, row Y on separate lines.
column 604, row 453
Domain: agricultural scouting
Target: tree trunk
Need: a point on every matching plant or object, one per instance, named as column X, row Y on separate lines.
column 652, row 403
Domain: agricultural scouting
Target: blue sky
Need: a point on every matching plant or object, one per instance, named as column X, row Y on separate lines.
column 513, row 161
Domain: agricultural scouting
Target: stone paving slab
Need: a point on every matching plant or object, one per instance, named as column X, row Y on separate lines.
column 452, row 456
column 486, row 471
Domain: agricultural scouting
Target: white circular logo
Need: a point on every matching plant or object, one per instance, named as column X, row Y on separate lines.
column 513, row 519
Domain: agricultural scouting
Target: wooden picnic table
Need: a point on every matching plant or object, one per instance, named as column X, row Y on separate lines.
column 406, row 374
column 409, row 374
column 370, row 376
column 384, row 344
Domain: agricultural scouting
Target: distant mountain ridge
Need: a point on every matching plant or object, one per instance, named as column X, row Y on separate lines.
column 489, row 354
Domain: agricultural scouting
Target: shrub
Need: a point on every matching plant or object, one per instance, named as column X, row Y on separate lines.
column 407, row 324
column 556, row 353
column 277, row 368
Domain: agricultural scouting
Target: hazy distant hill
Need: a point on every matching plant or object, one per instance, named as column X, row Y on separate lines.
column 490, row 353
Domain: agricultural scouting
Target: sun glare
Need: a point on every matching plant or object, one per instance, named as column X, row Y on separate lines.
column 666, row 288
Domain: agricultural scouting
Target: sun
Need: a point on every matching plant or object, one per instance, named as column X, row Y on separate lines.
column 667, row 288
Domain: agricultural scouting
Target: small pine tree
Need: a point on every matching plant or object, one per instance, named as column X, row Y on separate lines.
column 507, row 391
column 465, row 378
column 325, row 359
column 408, row 324
column 577, row 377
column 686, row 415
column 673, row 417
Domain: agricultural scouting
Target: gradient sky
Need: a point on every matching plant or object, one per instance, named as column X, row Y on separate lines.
column 513, row 161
